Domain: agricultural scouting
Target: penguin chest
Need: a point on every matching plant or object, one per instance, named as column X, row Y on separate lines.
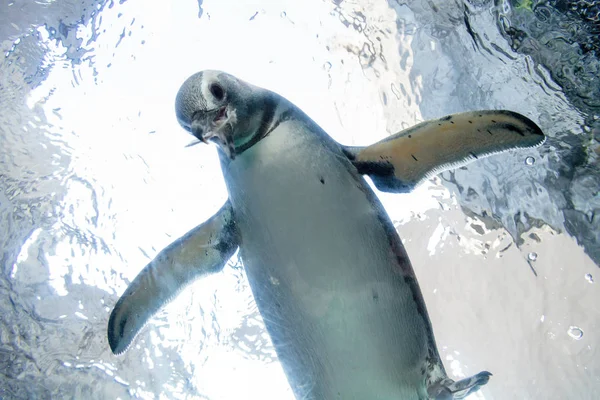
column 322, row 266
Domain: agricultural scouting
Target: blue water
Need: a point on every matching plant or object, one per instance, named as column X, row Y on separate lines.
column 95, row 179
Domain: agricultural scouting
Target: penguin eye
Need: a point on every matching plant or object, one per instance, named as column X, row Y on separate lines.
column 217, row 91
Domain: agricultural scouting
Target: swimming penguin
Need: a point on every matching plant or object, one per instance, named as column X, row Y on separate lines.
column 327, row 269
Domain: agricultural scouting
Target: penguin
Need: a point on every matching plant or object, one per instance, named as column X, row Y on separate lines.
column 328, row 271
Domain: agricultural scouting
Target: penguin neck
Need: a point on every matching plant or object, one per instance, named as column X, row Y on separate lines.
column 275, row 110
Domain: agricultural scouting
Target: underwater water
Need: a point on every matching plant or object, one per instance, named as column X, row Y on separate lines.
column 95, row 180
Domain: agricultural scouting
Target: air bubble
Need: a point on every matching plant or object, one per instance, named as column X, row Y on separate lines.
column 530, row 160
column 575, row 332
column 589, row 278
column 327, row 66
column 283, row 14
column 532, row 256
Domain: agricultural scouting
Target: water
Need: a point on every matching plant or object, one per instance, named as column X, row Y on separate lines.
column 96, row 179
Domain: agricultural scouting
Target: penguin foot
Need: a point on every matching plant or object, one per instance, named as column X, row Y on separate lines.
column 450, row 390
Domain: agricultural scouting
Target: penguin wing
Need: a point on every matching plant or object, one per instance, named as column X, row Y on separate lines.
column 203, row 250
column 402, row 161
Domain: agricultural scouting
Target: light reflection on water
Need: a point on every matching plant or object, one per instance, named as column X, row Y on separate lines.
column 96, row 180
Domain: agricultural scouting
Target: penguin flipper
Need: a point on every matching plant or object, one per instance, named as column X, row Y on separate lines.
column 202, row 251
column 402, row 161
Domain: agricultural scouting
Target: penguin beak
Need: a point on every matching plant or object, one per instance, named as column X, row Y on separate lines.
column 215, row 126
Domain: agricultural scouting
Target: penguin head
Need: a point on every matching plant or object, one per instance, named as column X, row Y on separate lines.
column 218, row 107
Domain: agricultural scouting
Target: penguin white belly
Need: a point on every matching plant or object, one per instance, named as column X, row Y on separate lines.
column 338, row 304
